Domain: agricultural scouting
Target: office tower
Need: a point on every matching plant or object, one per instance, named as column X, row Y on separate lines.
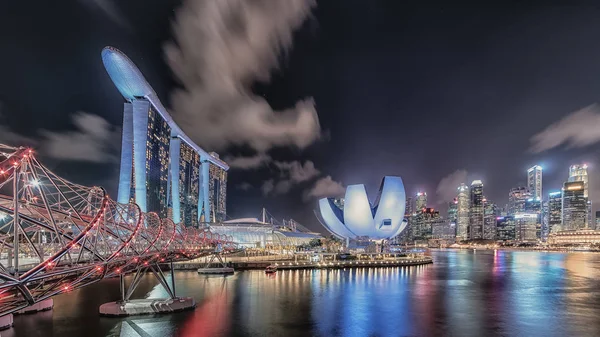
column 579, row 173
column 422, row 223
column 476, row 211
column 186, row 188
column 408, row 209
column 420, row 201
column 505, row 228
column 162, row 169
column 597, row 220
column 526, row 225
column 554, row 212
column 545, row 216
column 217, row 190
column 462, row 213
column 534, row 181
column 534, row 206
column 574, row 206
column 452, row 210
column 443, row 229
column 517, row 197
column 489, row 220
column 589, row 222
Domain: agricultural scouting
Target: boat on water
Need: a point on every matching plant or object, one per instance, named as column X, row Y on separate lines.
column 271, row 269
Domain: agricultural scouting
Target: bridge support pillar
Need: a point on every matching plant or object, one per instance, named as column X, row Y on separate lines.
column 128, row 307
column 44, row 305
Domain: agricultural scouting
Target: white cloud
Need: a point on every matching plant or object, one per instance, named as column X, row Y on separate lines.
column 221, row 49
column 298, row 172
column 578, row 129
column 325, row 187
column 250, row 162
column 94, row 140
column 447, row 189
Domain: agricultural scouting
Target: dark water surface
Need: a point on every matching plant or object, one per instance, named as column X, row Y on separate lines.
column 464, row 293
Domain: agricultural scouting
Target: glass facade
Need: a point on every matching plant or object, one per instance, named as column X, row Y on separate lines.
column 505, row 228
column 157, row 163
column 476, row 211
column 217, row 192
column 554, row 212
column 189, row 185
column 574, row 206
column 462, row 212
column 534, row 181
column 489, row 221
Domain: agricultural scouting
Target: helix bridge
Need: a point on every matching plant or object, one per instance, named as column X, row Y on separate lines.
column 57, row 236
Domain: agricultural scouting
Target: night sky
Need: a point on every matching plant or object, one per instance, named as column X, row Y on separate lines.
column 424, row 92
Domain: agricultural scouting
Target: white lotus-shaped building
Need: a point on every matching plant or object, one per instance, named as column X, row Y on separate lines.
column 357, row 218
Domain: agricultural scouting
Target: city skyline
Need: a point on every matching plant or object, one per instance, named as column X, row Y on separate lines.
column 513, row 115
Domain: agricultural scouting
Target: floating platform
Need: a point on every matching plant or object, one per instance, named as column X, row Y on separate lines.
column 6, row 321
column 216, row 271
column 147, row 307
column 44, row 305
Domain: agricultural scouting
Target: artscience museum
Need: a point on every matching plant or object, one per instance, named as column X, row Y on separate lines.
column 354, row 217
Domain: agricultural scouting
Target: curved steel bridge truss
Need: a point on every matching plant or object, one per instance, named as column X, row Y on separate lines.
column 56, row 236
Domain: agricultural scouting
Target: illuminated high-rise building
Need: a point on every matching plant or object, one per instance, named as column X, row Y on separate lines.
column 462, row 213
column 476, row 211
column 574, row 206
column 517, row 198
column 217, row 190
column 162, row 169
column 554, row 212
column 505, row 228
column 453, row 210
column 526, row 225
column 489, row 221
column 420, row 201
column 579, row 173
column 534, row 182
column 408, row 208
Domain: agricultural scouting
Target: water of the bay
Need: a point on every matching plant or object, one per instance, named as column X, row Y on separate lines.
column 464, row 293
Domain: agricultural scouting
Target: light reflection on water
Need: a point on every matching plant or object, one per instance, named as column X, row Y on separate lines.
column 483, row 293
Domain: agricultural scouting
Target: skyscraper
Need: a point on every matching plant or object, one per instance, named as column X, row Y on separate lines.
column 526, row 225
column 462, row 213
column 554, row 212
column 408, row 209
column 489, row 221
column 534, row 181
column 517, row 197
column 579, row 173
column 452, row 210
column 505, row 228
column 160, row 165
column 574, row 206
column 420, row 201
column 476, row 211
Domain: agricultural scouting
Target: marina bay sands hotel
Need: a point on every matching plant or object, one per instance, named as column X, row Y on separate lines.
column 162, row 169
